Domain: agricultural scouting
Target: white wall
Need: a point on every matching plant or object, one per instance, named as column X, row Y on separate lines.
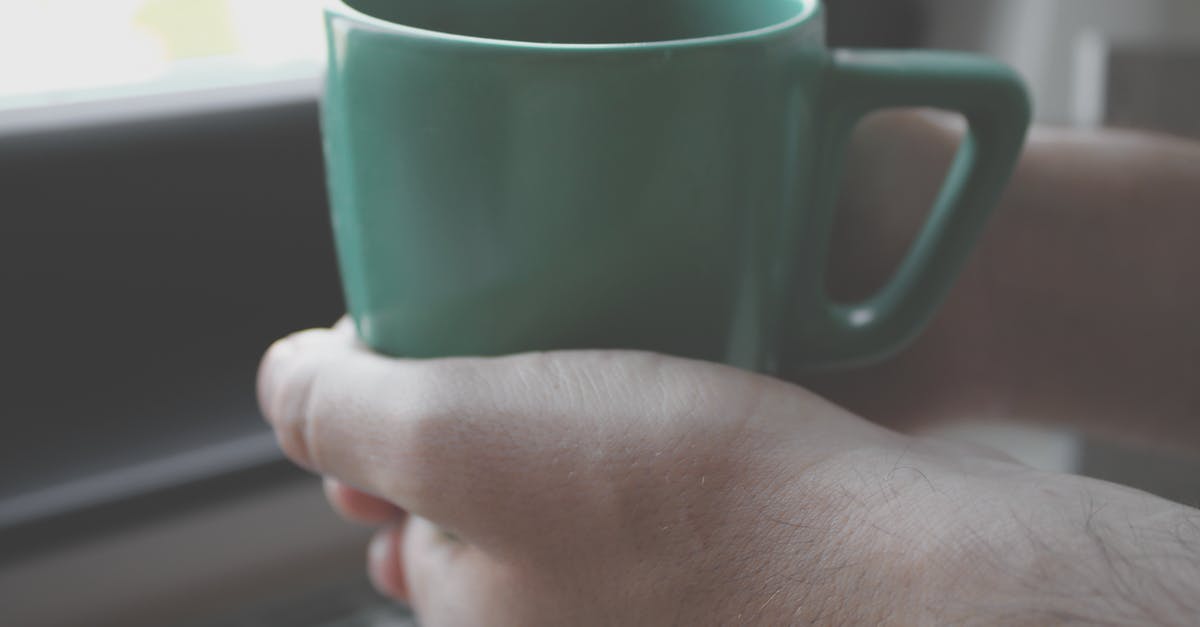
column 1042, row 39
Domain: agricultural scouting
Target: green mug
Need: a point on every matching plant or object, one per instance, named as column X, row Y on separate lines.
column 657, row 175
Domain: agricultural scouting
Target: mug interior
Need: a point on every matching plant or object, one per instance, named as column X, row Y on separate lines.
column 587, row 21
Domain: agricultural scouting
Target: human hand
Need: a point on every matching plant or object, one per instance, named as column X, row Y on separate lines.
column 634, row 489
column 895, row 167
column 1078, row 305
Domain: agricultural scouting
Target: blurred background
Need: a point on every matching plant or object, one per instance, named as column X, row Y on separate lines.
column 165, row 219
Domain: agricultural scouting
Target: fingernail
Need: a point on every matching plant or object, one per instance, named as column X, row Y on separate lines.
column 377, row 556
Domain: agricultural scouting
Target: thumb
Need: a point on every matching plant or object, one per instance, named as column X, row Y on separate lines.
column 480, row 446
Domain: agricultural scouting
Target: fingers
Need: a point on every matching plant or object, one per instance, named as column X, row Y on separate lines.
column 493, row 450
column 360, row 507
column 457, row 440
column 389, row 426
column 451, row 584
column 385, row 562
column 337, row 408
column 345, row 324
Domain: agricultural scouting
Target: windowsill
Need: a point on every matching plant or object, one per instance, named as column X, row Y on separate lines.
column 118, row 109
column 212, row 560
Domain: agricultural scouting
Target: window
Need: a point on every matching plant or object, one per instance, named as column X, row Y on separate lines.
column 64, row 51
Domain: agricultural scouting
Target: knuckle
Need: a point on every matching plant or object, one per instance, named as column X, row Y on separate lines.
column 277, row 363
column 291, row 411
column 432, row 396
column 435, row 430
column 268, row 376
column 278, row 371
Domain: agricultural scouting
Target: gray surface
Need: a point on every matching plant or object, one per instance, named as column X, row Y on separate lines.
column 147, row 261
column 1156, row 89
column 345, row 604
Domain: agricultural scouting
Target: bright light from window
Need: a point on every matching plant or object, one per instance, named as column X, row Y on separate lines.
column 71, row 50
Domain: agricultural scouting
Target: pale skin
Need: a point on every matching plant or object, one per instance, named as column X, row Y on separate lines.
column 622, row 488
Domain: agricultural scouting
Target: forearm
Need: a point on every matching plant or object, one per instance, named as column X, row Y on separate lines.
column 1092, row 270
column 1081, row 303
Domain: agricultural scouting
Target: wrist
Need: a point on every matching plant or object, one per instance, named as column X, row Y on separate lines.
column 1059, row 548
column 933, row 534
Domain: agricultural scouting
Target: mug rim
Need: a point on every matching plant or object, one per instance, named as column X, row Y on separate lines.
column 809, row 9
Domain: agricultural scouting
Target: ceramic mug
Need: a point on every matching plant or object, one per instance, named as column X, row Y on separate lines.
column 640, row 174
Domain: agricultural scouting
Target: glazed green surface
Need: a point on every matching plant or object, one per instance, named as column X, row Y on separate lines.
column 586, row 21
column 492, row 197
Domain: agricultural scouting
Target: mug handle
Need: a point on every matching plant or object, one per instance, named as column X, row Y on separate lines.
column 995, row 104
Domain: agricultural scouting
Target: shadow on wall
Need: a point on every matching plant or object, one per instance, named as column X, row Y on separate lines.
column 870, row 23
